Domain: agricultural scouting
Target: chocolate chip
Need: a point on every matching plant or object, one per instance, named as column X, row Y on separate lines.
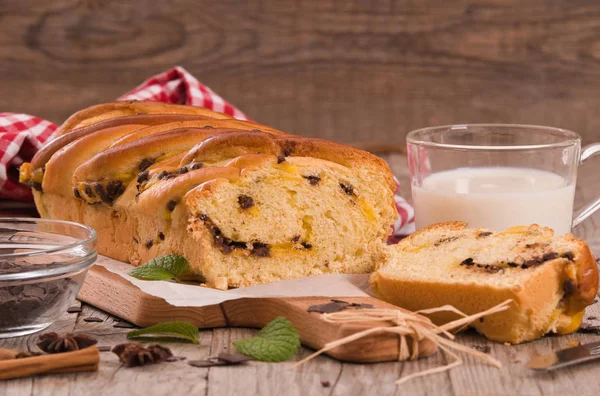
column 88, row 191
column 163, row 175
column 114, row 189
column 569, row 256
column 233, row 358
column 592, row 318
column 93, row 319
column 143, row 176
column 280, row 159
column 549, row 256
column 296, row 238
column 512, row 264
column 568, row 287
column 260, row 249
column 74, row 310
column 245, row 201
column 532, row 262
column 329, row 307
column 325, row 384
column 161, row 236
column 484, row 234
column 196, row 165
column 287, row 149
column 207, row 363
column 306, row 245
column 149, row 244
column 445, row 240
column 183, row 170
column 468, row 262
column 313, row 180
column 171, row 205
column 145, row 164
column 76, row 193
column 348, row 189
column 489, row 268
column 36, row 186
column 227, row 245
column 124, row 325
column 336, row 306
column 99, row 189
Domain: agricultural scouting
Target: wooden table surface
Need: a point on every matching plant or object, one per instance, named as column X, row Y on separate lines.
column 323, row 375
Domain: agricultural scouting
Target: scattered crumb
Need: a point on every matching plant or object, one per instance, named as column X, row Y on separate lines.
column 592, row 318
column 573, row 343
column 325, row 384
column 507, row 344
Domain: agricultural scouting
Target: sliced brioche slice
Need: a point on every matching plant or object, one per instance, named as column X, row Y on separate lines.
column 550, row 279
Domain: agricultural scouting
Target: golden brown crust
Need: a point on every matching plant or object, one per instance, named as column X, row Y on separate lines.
column 203, row 123
column 587, row 276
column 128, row 157
column 105, row 111
column 156, row 199
column 70, row 157
column 48, row 150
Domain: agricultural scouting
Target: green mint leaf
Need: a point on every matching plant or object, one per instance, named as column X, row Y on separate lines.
column 167, row 332
column 165, row 267
column 276, row 342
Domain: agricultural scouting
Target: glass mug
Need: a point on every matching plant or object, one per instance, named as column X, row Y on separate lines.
column 497, row 176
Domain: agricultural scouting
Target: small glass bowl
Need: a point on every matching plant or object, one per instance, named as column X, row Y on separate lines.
column 42, row 266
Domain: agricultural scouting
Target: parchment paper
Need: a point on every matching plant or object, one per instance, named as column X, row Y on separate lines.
column 188, row 295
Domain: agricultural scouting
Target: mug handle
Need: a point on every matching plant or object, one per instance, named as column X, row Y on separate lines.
column 585, row 212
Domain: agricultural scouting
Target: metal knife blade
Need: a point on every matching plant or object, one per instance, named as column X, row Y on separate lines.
column 566, row 357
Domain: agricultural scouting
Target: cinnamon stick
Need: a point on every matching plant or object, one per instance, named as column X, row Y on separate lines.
column 8, row 353
column 86, row 359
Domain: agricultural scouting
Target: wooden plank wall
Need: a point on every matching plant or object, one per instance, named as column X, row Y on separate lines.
column 353, row 71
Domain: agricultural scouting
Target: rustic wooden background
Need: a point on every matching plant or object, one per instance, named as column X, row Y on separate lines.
column 353, row 71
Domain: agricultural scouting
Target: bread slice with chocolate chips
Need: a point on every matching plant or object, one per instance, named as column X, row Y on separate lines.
column 550, row 279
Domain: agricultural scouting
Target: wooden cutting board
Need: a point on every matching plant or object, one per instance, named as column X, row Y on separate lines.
column 121, row 298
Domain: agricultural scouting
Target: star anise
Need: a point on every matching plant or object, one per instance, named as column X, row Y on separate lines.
column 134, row 354
column 55, row 343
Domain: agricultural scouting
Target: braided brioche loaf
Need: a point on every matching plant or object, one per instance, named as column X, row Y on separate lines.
column 244, row 203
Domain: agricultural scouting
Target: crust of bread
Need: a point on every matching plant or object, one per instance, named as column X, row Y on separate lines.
column 94, row 114
column 47, row 151
column 125, row 158
column 535, row 309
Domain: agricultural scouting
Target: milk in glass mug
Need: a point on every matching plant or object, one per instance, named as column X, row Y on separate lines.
column 497, row 176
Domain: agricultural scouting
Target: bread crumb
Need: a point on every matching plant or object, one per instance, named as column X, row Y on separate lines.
column 573, row 343
column 221, row 283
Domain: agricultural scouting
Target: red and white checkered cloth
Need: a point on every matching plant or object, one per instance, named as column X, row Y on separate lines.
column 21, row 135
